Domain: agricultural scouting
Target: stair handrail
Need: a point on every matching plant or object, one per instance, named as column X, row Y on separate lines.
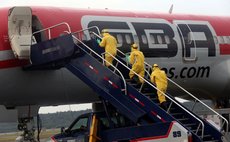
column 196, row 99
column 51, row 27
column 117, row 69
column 120, row 52
column 123, row 79
column 87, row 29
column 226, row 121
column 182, row 107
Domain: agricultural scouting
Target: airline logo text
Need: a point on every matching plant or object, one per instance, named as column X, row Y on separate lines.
column 158, row 37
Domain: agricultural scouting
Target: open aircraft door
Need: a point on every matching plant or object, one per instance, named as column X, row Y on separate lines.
column 188, row 41
column 20, row 31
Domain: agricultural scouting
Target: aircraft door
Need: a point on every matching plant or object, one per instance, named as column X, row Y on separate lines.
column 188, row 42
column 20, row 31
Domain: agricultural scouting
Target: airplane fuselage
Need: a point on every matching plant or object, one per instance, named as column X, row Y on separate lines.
column 193, row 50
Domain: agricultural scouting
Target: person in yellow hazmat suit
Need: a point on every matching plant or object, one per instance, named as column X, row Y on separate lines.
column 110, row 44
column 137, row 59
column 159, row 78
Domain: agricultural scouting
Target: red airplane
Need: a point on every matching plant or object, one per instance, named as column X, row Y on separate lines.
column 193, row 50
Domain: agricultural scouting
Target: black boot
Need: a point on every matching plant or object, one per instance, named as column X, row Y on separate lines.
column 164, row 106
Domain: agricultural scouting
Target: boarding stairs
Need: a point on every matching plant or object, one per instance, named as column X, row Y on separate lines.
column 139, row 103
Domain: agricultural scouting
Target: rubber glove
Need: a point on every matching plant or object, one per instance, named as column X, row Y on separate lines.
column 98, row 41
column 127, row 58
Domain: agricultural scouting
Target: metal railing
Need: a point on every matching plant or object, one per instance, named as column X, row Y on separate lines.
column 49, row 30
column 146, row 81
column 87, row 29
column 127, row 63
column 118, row 61
column 92, row 51
column 172, row 101
column 198, row 100
column 187, row 92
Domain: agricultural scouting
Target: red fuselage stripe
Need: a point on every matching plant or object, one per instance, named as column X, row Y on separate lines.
column 224, row 49
column 12, row 63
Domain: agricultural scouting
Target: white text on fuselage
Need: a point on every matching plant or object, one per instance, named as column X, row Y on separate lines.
column 158, row 37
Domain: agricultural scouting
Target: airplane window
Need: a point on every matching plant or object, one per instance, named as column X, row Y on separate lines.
column 160, row 41
column 119, row 38
column 152, row 39
column 82, row 122
column 227, row 39
column 144, row 39
column 105, row 122
column 215, row 39
column 167, row 39
column 189, row 38
column 136, row 38
column 220, row 39
column 128, row 39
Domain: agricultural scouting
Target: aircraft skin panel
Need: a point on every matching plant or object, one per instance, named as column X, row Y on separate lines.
column 43, row 88
column 203, row 75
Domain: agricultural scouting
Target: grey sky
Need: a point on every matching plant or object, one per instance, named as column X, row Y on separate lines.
column 198, row 7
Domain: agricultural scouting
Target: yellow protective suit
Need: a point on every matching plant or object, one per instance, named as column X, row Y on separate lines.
column 137, row 59
column 159, row 78
column 110, row 44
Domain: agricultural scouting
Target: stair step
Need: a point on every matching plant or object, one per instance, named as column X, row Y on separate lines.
column 182, row 119
column 211, row 141
column 132, row 83
column 135, row 85
column 154, row 99
column 144, row 90
column 128, row 80
column 194, row 131
column 176, row 113
column 208, row 138
column 207, row 135
column 149, row 94
column 190, row 124
column 172, row 108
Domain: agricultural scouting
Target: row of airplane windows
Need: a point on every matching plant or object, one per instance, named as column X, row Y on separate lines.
column 222, row 39
column 154, row 40
column 159, row 39
column 164, row 39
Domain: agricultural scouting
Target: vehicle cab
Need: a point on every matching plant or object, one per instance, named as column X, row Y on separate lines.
column 90, row 126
